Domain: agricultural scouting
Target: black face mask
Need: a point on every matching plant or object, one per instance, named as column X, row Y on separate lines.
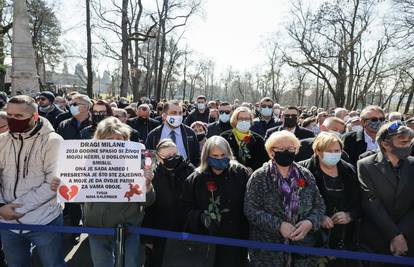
column 98, row 117
column 173, row 161
column 200, row 137
column 290, row 122
column 284, row 158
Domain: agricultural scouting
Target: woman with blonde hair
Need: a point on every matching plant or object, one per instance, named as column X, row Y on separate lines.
column 283, row 204
column 213, row 200
column 247, row 146
column 339, row 187
column 106, row 214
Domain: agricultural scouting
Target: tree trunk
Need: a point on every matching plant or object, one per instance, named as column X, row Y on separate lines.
column 410, row 98
column 158, row 89
column 89, row 84
column 124, row 50
column 185, row 75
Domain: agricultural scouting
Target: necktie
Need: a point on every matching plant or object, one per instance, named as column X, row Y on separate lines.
column 173, row 137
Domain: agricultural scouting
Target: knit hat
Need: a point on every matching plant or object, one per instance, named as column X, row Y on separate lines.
column 49, row 95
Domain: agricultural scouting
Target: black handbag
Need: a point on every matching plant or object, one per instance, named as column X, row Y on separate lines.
column 185, row 253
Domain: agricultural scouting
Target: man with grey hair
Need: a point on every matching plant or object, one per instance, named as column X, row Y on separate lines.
column 341, row 113
column 79, row 108
column 358, row 142
column 28, row 165
column 387, row 186
column 70, row 129
column 394, row 116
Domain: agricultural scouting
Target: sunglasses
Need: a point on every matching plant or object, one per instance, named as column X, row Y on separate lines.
column 376, row 119
column 226, row 112
column 42, row 98
column 3, row 126
column 143, row 109
column 291, row 116
column 77, row 104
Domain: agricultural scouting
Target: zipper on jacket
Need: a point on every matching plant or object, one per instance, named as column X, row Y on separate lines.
column 18, row 167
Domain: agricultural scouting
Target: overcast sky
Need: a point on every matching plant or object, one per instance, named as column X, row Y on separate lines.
column 231, row 32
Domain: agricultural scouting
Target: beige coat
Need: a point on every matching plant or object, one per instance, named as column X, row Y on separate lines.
column 27, row 165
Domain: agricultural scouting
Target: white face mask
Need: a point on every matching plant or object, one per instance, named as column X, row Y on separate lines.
column 201, row 106
column 266, row 112
column 174, row 121
column 356, row 128
column 243, row 126
column 224, row 118
column 74, row 110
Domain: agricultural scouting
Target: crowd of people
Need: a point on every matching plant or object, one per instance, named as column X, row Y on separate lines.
column 307, row 176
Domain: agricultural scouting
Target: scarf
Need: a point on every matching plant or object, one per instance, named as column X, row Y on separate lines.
column 239, row 135
column 289, row 189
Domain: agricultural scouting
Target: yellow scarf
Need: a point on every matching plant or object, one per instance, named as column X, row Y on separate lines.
column 239, row 135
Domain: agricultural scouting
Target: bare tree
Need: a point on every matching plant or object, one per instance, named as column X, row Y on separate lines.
column 331, row 42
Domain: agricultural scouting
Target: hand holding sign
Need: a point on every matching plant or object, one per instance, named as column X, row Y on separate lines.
column 101, row 171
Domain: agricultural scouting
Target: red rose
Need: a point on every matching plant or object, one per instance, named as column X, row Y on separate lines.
column 211, row 186
column 246, row 139
column 301, row 182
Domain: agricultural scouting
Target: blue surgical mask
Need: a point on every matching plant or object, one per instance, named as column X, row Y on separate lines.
column 267, row 112
column 218, row 164
column 74, row 110
column 224, row 118
column 331, row 159
column 243, row 126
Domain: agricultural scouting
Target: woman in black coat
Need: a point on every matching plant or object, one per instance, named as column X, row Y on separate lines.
column 164, row 214
column 339, row 187
column 220, row 177
column 247, row 146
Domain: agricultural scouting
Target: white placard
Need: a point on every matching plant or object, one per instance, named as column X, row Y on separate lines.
column 100, row 171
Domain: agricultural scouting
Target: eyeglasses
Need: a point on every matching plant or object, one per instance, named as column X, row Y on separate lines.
column 375, row 119
column 267, row 106
column 77, row 104
column 281, row 149
column 223, row 111
column 291, row 116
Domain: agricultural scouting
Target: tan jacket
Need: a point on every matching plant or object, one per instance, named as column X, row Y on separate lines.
column 27, row 165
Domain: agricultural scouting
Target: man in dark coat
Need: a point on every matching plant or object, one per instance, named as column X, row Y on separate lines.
column 359, row 142
column 200, row 113
column 290, row 123
column 387, row 193
column 143, row 123
column 47, row 108
column 70, row 129
column 266, row 120
column 223, row 123
column 182, row 135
